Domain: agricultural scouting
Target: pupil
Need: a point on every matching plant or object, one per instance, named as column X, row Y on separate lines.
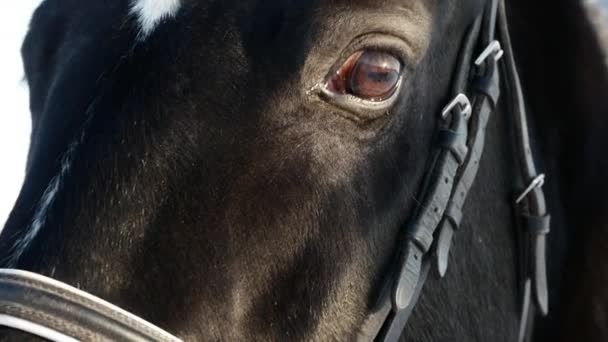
column 374, row 76
column 379, row 76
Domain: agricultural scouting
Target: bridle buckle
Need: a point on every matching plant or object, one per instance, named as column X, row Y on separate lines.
column 464, row 104
column 494, row 48
column 537, row 182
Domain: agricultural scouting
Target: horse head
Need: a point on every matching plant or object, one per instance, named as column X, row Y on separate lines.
column 245, row 170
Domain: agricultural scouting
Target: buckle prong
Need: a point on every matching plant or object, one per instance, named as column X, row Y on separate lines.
column 464, row 104
column 537, row 182
column 493, row 48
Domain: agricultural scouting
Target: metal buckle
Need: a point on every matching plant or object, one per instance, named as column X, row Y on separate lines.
column 494, row 48
column 460, row 100
column 537, row 182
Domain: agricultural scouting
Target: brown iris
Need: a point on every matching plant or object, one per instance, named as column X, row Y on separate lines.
column 370, row 75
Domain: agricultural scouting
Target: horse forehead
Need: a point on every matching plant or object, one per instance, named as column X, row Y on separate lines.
column 150, row 12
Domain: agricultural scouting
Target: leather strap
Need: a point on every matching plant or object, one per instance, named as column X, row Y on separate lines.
column 534, row 219
column 487, row 88
column 453, row 168
column 54, row 310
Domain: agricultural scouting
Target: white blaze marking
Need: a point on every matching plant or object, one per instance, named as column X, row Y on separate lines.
column 50, row 194
column 45, row 203
column 150, row 12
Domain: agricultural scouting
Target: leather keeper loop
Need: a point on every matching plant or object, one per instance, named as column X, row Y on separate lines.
column 489, row 85
column 455, row 143
column 454, row 215
column 537, row 224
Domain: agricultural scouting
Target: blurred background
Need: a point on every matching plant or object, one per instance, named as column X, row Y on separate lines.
column 15, row 118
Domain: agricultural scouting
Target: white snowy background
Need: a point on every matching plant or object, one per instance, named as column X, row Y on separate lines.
column 14, row 115
column 14, row 112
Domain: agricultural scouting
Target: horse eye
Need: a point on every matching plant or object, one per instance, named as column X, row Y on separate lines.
column 370, row 75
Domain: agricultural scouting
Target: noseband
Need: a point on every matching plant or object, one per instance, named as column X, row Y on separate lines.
column 59, row 312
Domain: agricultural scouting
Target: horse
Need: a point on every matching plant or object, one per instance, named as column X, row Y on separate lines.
column 247, row 170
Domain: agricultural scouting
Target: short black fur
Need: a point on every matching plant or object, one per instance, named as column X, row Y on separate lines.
column 212, row 195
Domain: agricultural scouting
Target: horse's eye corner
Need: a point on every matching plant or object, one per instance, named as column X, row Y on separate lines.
column 368, row 75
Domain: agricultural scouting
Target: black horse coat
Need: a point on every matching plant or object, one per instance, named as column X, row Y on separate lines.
column 182, row 168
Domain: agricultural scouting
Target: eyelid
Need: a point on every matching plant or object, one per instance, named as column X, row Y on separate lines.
column 351, row 107
column 355, row 108
column 378, row 41
column 358, row 108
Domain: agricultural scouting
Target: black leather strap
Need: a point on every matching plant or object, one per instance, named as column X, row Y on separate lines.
column 487, row 88
column 46, row 304
column 453, row 171
column 534, row 219
column 397, row 318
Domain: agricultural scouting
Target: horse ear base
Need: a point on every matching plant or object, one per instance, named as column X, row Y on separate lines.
column 39, row 53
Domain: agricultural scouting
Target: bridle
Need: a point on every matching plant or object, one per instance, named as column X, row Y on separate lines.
column 56, row 311
column 459, row 145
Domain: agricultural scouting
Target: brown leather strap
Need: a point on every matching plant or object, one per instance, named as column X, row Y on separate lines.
column 43, row 302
